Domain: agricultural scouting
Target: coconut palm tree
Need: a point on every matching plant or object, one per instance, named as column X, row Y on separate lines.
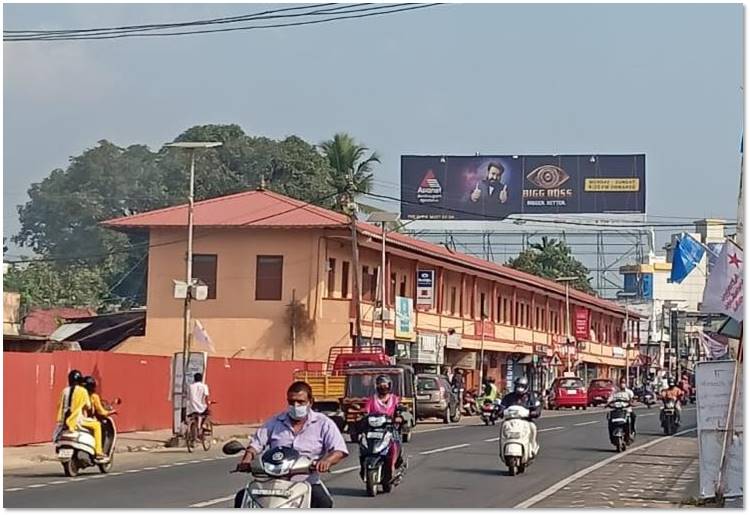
column 351, row 168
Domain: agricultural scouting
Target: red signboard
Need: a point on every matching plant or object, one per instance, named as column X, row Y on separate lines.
column 489, row 328
column 582, row 323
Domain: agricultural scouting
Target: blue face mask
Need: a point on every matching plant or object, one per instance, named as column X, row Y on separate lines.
column 298, row 412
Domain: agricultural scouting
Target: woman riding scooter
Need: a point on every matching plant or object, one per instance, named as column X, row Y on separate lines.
column 386, row 403
column 98, row 411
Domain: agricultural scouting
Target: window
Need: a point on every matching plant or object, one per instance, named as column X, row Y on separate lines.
column 331, row 277
column 402, row 288
column 344, row 279
column 374, row 284
column 204, row 269
column 517, row 318
column 453, row 300
column 366, row 279
column 482, row 306
column 268, row 276
column 506, row 311
column 498, row 309
column 392, row 292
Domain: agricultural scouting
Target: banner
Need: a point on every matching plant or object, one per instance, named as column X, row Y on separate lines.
column 494, row 187
column 687, row 254
column 404, row 329
column 582, row 323
column 724, row 291
column 425, row 288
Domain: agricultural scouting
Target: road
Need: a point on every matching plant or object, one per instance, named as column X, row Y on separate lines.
column 450, row 466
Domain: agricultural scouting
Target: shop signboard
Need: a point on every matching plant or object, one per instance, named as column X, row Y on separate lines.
column 405, row 319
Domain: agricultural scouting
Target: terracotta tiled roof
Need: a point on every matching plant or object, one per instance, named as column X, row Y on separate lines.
column 263, row 208
column 43, row 322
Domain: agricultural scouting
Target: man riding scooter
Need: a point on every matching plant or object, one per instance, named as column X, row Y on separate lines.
column 625, row 393
column 675, row 393
column 522, row 396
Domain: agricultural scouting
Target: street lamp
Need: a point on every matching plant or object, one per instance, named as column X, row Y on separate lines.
column 382, row 217
column 191, row 147
column 627, row 296
column 567, row 280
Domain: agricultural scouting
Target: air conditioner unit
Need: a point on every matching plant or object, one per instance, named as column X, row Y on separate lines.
column 383, row 314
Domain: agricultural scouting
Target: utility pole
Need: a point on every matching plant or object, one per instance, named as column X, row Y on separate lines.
column 356, row 292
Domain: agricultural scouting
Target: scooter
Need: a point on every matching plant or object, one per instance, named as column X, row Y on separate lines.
column 619, row 424
column 668, row 417
column 271, row 486
column 470, row 403
column 648, row 398
column 517, row 449
column 76, row 451
column 490, row 412
column 374, row 444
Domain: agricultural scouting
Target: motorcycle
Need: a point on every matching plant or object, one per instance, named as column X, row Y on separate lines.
column 271, row 486
column 517, row 449
column 374, row 443
column 648, row 398
column 469, row 403
column 490, row 412
column 619, row 424
column 75, row 450
column 668, row 417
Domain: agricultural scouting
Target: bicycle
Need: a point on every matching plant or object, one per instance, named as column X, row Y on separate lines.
column 206, row 431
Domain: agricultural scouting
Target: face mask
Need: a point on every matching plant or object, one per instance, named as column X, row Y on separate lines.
column 298, row 412
column 383, row 391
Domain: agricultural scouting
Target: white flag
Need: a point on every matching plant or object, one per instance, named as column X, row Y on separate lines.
column 201, row 336
column 725, row 287
column 715, row 345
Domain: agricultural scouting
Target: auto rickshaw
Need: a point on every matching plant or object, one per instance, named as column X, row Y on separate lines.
column 360, row 385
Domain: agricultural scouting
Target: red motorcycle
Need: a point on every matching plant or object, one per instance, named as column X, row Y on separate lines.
column 469, row 403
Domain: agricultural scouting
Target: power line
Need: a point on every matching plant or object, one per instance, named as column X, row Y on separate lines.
column 132, row 33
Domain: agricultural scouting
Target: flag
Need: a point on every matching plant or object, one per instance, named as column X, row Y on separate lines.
column 687, row 254
column 201, row 336
column 724, row 291
column 715, row 345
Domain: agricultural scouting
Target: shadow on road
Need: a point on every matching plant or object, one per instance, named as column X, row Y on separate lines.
column 481, row 472
column 348, row 492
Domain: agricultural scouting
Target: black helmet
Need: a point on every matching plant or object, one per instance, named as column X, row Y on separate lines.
column 671, row 382
column 383, row 381
column 74, row 377
column 521, row 385
column 89, row 383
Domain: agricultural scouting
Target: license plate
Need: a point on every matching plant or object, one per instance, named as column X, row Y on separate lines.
column 423, row 397
column 65, row 453
column 270, row 493
column 374, row 434
column 571, row 392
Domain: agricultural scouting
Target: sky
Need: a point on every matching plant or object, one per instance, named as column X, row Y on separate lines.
column 664, row 80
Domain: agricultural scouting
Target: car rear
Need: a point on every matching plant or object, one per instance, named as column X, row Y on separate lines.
column 432, row 396
column 569, row 392
column 599, row 391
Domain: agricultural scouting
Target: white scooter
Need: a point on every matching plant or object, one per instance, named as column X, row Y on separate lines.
column 272, row 471
column 517, row 447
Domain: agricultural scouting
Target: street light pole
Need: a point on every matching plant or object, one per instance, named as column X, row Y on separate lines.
column 481, row 349
column 187, row 335
column 567, row 280
column 382, row 290
column 627, row 343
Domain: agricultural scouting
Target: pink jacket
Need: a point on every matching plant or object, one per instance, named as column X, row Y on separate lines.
column 374, row 405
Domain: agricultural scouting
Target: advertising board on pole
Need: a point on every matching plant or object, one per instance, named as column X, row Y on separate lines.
column 404, row 329
column 494, row 187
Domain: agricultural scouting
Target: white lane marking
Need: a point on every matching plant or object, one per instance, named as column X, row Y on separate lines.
column 443, row 449
column 178, row 463
column 36, row 485
column 194, row 461
column 493, row 439
column 438, row 429
column 148, row 468
column 76, row 480
column 58, row 482
column 13, row 489
column 112, row 474
column 550, row 429
column 130, row 471
column 344, row 471
column 212, row 501
column 166, row 466
column 586, row 423
column 596, row 466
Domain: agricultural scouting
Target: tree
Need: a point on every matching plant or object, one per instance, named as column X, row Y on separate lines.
column 44, row 285
column 351, row 169
column 61, row 220
column 552, row 259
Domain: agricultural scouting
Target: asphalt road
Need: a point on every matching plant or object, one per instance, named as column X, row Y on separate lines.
column 450, row 466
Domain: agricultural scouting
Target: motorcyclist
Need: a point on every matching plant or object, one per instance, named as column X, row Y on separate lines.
column 675, row 393
column 522, row 396
column 75, row 379
column 625, row 393
column 490, row 390
column 311, row 433
column 383, row 402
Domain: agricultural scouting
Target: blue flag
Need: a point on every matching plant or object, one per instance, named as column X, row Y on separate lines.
column 687, row 254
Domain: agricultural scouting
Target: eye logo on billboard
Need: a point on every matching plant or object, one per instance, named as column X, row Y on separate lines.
column 548, row 179
column 430, row 191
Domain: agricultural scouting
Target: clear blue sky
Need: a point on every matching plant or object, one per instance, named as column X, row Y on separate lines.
column 509, row 79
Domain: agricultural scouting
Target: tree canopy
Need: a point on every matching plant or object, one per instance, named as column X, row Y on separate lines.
column 552, row 259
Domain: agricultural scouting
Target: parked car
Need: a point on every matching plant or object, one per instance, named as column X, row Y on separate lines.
column 568, row 392
column 599, row 391
column 435, row 398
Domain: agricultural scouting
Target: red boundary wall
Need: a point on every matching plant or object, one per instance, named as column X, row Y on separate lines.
column 246, row 390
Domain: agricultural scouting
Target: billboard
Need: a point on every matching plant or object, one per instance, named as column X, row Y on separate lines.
column 494, row 187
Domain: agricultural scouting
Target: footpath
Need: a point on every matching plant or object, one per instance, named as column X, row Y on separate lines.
column 663, row 475
column 138, row 441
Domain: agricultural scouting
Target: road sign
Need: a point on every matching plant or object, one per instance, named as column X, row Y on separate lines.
column 556, row 361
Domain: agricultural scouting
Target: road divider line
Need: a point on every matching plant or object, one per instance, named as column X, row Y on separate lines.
column 443, row 449
column 211, row 502
column 149, row 468
column 531, row 501
column 36, row 485
column 344, row 471
column 59, row 482
column 586, row 423
column 549, row 429
column 497, row 438
column 13, row 489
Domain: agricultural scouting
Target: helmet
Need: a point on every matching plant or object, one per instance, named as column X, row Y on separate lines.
column 383, row 382
column 671, row 382
column 74, row 377
column 89, row 383
column 520, row 385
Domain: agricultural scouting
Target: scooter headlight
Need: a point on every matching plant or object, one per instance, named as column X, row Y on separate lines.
column 383, row 444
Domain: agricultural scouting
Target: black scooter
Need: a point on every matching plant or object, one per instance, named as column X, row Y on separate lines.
column 619, row 424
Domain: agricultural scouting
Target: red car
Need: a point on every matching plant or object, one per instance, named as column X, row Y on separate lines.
column 599, row 391
column 568, row 392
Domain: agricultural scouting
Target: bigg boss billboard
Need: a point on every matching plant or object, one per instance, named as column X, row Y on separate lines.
column 494, row 187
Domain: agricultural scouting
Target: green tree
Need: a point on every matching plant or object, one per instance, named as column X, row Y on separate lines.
column 44, row 285
column 351, row 168
column 551, row 259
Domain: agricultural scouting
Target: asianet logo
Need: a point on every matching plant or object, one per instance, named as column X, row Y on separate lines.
column 430, row 191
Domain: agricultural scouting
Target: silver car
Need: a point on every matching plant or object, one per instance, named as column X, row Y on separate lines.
column 436, row 398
